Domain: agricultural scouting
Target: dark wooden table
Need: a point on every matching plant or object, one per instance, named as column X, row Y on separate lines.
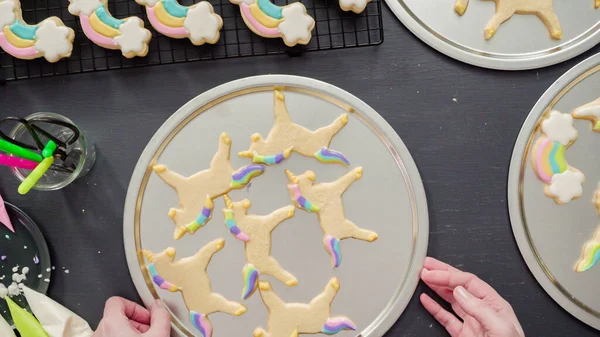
column 462, row 148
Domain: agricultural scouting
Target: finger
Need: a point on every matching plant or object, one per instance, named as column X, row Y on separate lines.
column 458, row 278
column 435, row 264
column 133, row 311
column 139, row 327
column 446, row 319
column 486, row 316
column 448, row 296
column 160, row 322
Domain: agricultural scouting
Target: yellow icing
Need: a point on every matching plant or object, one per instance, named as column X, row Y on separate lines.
column 261, row 17
column 165, row 18
column 15, row 40
column 101, row 28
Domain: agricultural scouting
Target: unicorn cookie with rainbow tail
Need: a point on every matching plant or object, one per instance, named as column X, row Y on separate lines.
column 197, row 22
column 590, row 254
column 49, row 39
column 325, row 199
column 196, row 193
column 106, row 31
column 291, row 22
column 292, row 319
column 189, row 276
column 255, row 232
column 286, row 136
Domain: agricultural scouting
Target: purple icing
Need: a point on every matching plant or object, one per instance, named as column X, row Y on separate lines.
column 330, row 153
column 235, row 230
column 246, row 169
column 206, row 212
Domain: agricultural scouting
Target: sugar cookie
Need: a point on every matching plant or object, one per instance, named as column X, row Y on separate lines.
column 49, row 39
column 505, row 9
column 128, row 35
column 291, row 22
column 590, row 254
column 325, row 199
column 189, row 276
column 292, row 319
column 591, row 112
column 196, row 192
column 197, row 22
column 357, row 6
column 286, row 136
column 255, row 231
column 597, row 199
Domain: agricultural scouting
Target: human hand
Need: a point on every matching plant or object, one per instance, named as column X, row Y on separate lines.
column 123, row 318
column 483, row 312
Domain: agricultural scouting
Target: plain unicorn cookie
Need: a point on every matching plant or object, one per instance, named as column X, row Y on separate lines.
column 49, row 39
column 325, row 199
column 255, row 232
column 291, row 22
column 128, row 35
column 293, row 319
column 286, row 136
column 591, row 112
column 505, row 9
column 196, row 193
column 189, row 276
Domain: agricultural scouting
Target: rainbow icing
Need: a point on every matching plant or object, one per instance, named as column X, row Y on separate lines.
column 332, row 245
column 590, row 255
column 549, row 159
column 269, row 160
column 263, row 16
column 250, row 280
column 242, row 177
column 161, row 282
column 233, row 228
column 202, row 219
column 337, row 324
column 201, row 323
column 328, row 156
column 301, row 200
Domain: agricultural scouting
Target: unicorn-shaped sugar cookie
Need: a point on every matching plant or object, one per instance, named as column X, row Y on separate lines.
column 590, row 253
column 292, row 319
column 255, row 231
column 286, row 136
column 49, row 39
column 196, row 193
column 189, row 276
column 325, row 199
column 591, row 112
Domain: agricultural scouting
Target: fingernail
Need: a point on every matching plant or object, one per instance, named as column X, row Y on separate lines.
column 463, row 293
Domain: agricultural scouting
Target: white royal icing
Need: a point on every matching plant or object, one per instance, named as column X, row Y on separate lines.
column 134, row 37
column 589, row 111
column 202, row 23
column 296, row 25
column 85, row 7
column 53, row 40
column 5, row 329
column 7, row 13
column 358, row 4
column 558, row 127
column 149, row 3
column 247, row 2
column 566, row 186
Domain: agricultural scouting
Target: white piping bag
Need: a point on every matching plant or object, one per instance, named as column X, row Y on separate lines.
column 5, row 329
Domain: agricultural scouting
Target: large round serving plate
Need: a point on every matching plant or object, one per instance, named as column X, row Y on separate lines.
column 551, row 236
column 377, row 279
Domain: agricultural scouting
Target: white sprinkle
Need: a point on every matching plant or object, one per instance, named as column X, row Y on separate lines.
column 24, row 247
column 98, row 252
column 20, row 285
column 66, row 271
column 25, row 270
column 47, row 280
column 53, row 267
column 454, row 100
column 40, row 276
column 48, row 269
column 83, row 211
column 13, row 290
column 15, row 269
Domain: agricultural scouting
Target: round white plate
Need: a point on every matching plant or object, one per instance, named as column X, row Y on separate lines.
column 377, row 279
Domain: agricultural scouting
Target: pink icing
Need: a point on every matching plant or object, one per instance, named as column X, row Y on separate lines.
column 260, row 28
column 16, row 51
column 166, row 30
column 540, row 161
column 92, row 34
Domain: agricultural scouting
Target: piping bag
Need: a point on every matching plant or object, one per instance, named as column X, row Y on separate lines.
column 57, row 320
column 4, row 219
column 5, row 329
column 26, row 324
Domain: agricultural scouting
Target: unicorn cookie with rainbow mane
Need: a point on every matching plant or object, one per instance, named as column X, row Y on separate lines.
column 291, row 22
column 50, row 38
column 197, row 22
column 106, row 31
column 286, row 136
column 293, row 319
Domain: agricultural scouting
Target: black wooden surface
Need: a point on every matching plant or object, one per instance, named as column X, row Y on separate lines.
column 462, row 148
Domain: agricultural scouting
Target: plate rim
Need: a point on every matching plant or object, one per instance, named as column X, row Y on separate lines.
column 394, row 310
column 514, row 207
column 484, row 61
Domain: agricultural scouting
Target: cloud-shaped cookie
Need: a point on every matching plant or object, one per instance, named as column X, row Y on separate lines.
column 203, row 24
column 54, row 41
column 357, row 6
column 558, row 127
column 85, row 7
column 297, row 24
column 134, row 37
column 566, row 186
column 7, row 13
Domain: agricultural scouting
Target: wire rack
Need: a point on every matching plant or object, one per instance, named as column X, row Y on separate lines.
column 334, row 29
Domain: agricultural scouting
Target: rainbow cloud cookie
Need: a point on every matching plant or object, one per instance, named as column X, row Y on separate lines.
column 198, row 22
column 128, row 35
column 49, row 39
column 291, row 22
column 590, row 254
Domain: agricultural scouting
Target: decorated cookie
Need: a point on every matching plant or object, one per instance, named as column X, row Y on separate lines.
column 197, row 191
column 291, row 22
column 293, row 319
column 197, row 22
column 563, row 182
column 591, row 112
column 189, row 276
column 590, row 254
column 357, row 6
column 325, row 199
column 255, row 232
column 597, row 199
column 505, row 9
column 286, row 136
column 49, row 39
column 25, row 323
column 128, row 35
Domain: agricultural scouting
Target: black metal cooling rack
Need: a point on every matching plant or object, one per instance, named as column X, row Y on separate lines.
column 334, row 29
